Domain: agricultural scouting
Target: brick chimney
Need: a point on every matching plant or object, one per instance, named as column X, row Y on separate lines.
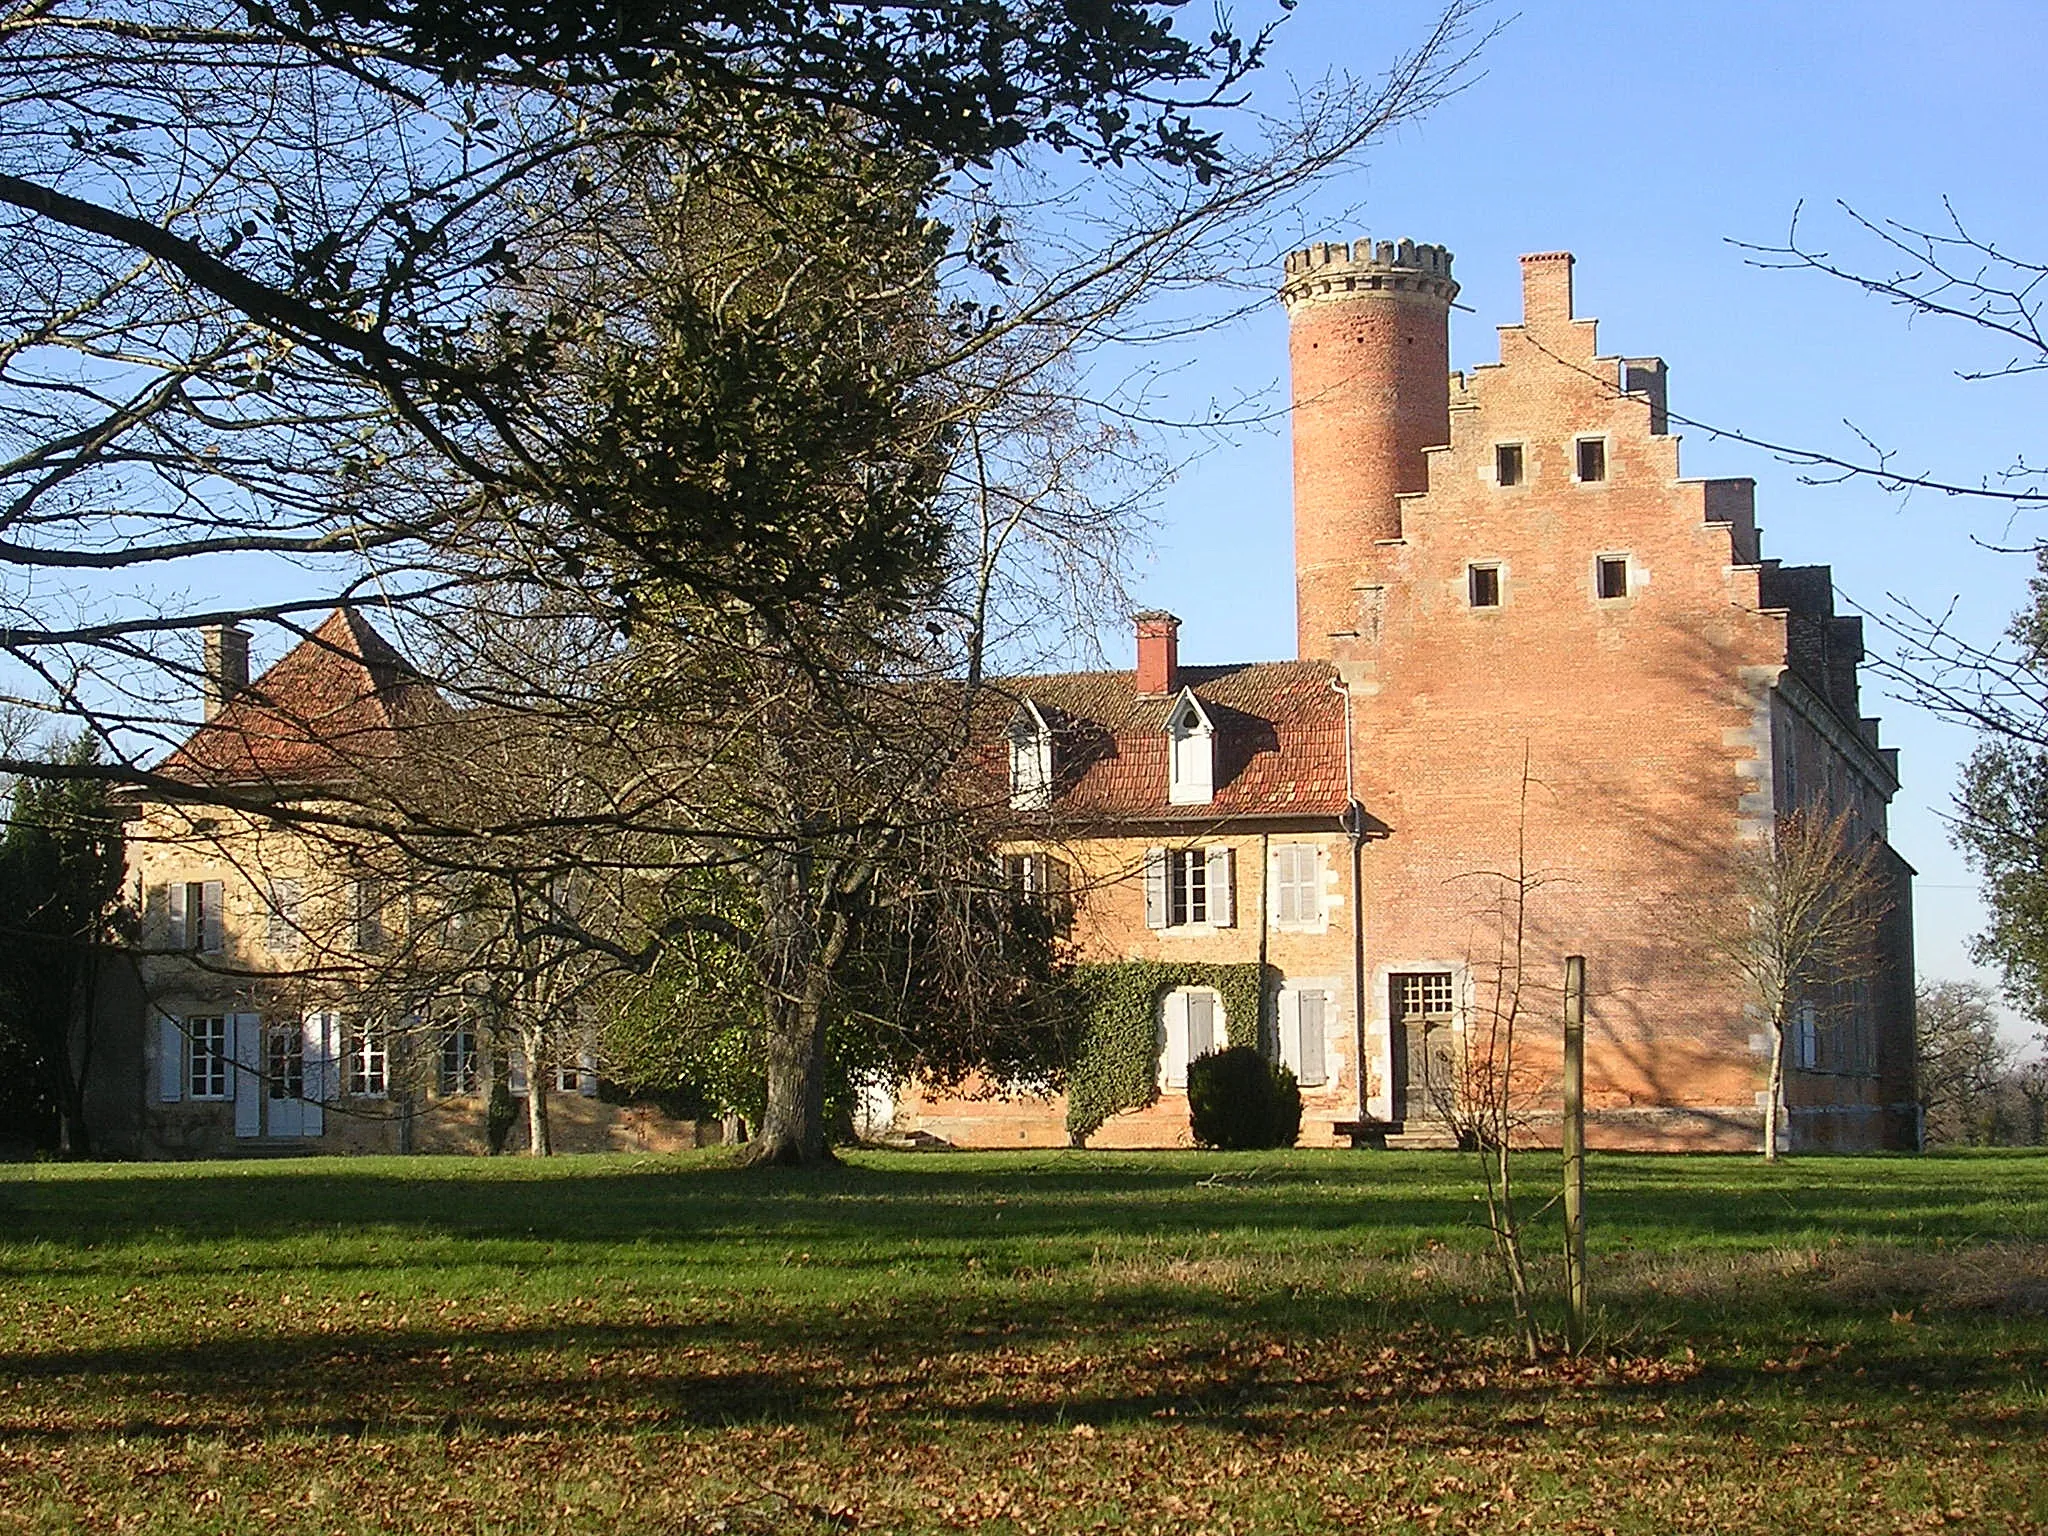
column 227, row 665
column 1158, row 652
column 1546, row 289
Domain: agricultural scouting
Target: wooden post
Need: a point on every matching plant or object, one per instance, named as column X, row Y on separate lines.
column 1575, row 1149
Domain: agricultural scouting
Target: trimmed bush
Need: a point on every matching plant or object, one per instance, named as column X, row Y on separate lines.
column 1238, row 1101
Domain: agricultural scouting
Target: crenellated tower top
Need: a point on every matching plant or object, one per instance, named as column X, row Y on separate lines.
column 1337, row 270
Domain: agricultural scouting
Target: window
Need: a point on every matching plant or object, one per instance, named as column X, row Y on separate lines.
column 1297, row 884
column 369, row 1059
column 1610, row 576
column 1031, row 781
column 1483, row 585
column 1189, row 886
column 1590, row 459
column 369, row 917
column 1192, row 1026
column 1191, row 753
column 457, row 1073
column 1304, row 1015
column 284, row 1060
column 1507, row 464
column 282, row 933
column 1806, row 1037
column 206, row 1074
column 1033, row 875
column 1423, row 994
column 194, row 909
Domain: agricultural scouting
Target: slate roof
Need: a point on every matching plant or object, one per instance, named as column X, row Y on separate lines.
column 340, row 699
column 1279, row 732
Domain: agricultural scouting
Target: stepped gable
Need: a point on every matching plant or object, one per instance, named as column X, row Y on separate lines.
column 340, row 698
column 1280, row 737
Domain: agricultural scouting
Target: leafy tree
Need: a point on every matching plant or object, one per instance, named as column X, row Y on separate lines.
column 61, row 864
column 1812, row 895
column 1961, row 1059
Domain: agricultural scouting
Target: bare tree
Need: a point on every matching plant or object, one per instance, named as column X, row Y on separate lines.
column 1810, row 898
column 1959, row 1055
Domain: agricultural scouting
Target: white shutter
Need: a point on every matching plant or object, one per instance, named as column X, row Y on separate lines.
column 586, row 1072
column 1173, row 1055
column 1290, row 1029
column 1222, row 902
column 209, row 917
column 245, row 1080
column 1155, row 887
column 174, row 897
column 515, row 1076
column 170, row 1057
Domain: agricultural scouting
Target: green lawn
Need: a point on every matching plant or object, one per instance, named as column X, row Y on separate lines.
column 1306, row 1341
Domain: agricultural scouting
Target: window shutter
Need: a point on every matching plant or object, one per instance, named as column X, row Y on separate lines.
column 1310, row 1007
column 174, row 895
column 586, row 1072
column 170, row 1057
column 1290, row 1029
column 515, row 1078
column 1173, row 1056
column 245, row 1080
column 1155, row 887
column 1222, row 902
column 209, row 917
column 1201, row 1008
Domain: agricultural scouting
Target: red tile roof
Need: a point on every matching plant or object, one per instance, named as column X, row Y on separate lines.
column 340, row 699
column 1279, row 741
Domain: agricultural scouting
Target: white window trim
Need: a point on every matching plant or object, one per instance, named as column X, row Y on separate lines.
column 1165, row 895
column 1031, row 776
column 225, row 1059
column 1190, row 775
column 1175, row 1049
column 366, row 1058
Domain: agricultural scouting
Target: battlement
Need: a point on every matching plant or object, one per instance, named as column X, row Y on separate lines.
column 1336, row 270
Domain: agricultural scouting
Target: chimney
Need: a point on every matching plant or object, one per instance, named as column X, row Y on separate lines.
column 1546, row 289
column 227, row 665
column 1158, row 652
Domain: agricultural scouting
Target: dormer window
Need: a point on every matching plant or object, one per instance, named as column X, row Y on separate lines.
column 1030, row 759
column 1191, row 754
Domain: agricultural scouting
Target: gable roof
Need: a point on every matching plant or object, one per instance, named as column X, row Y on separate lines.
column 1279, row 741
column 341, row 698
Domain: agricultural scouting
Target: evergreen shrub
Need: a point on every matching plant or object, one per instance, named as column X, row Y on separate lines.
column 1239, row 1102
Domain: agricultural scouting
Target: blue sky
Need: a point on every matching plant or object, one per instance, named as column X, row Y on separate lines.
column 1646, row 139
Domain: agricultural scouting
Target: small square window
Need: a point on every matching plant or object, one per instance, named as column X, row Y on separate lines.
column 1592, row 458
column 1507, row 463
column 1610, row 576
column 1484, row 585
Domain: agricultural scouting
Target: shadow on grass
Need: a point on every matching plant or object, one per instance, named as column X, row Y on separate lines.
column 1030, row 1372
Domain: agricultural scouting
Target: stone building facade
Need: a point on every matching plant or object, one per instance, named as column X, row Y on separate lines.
column 1548, row 672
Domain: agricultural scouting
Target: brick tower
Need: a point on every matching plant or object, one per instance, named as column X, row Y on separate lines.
column 1369, row 340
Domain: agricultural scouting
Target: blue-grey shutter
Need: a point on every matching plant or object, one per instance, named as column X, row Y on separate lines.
column 1222, row 903
column 1309, row 1070
column 170, row 1057
column 1173, row 1040
column 1201, row 1024
column 245, row 1077
column 210, row 935
column 1155, row 887
column 174, row 898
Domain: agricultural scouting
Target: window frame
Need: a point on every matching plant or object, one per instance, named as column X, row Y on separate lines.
column 215, row 1047
column 1486, row 573
column 1504, row 454
column 1580, row 444
column 1187, row 887
column 458, row 1042
column 366, row 1057
column 1605, row 562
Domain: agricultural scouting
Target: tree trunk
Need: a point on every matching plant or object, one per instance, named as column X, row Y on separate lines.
column 539, row 1140
column 1776, row 1091
column 795, row 970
